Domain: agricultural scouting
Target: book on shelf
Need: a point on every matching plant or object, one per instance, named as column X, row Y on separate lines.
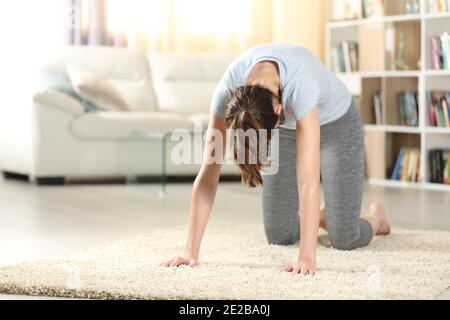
column 345, row 57
column 436, row 53
column 353, row 53
column 377, row 105
column 408, row 108
column 445, row 50
column 439, row 109
column 407, row 166
column 438, row 6
column 439, row 166
column 440, row 51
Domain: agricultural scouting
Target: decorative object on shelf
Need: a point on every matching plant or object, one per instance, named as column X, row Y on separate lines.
column 439, row 166
column 373, row 8
column 346, row 10
column 438, row 6
column 401, row 60
column 345, row 57
column 408, row 108
column 407, row 166
column 412, row 6
column 439, row 109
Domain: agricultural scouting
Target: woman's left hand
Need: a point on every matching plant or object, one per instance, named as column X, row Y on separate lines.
column 304, row 267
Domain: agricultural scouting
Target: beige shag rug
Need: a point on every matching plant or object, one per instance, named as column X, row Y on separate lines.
column 238, row 264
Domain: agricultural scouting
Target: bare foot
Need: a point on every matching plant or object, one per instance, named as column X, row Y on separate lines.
column 377, row 210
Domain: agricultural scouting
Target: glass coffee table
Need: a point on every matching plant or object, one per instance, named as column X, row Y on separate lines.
column 146, row 155
column 147, row 160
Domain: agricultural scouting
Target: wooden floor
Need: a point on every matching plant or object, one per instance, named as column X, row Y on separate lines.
column 38, row 222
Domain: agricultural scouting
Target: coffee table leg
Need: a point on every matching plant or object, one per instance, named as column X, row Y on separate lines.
column 163, row 177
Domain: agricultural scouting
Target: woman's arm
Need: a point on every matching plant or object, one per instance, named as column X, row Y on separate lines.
column 308, row 176
column 203, row 194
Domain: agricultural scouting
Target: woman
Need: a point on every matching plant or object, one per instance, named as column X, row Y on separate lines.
column 320, row 138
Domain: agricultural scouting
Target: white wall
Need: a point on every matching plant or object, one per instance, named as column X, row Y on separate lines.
column 301, row 22
column 28, row 31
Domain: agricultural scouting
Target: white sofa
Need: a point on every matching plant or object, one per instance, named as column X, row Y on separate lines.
column 164, row 91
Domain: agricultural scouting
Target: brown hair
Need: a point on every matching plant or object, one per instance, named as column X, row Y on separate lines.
column 251, row 108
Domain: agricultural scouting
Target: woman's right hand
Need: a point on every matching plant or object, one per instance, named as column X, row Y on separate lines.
column 180, row 261
column 203, row 194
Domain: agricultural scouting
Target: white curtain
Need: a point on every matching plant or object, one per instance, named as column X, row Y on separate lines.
column 88, row 22
column 172, row 25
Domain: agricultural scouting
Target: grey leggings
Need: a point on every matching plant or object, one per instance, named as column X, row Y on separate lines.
column 342, row 174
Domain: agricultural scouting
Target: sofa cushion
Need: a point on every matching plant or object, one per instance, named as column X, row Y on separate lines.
column 108, row 62
column 138, row 95
column 185, row 83
column 57, row 79
column 125, row 69
column 118, row 125
column 193, row 67
column 187, row 97
column 95, row 89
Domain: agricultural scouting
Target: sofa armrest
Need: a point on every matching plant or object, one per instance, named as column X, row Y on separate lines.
column 59, row 100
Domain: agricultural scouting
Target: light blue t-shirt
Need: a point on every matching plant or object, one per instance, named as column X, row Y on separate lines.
column 305, row 83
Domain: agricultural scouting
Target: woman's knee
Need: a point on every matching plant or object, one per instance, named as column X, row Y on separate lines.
column 282, row 236
column 342, row 244
column 280, row 240
column 347, row 241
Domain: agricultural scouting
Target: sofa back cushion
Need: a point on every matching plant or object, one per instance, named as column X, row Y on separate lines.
column 126, row 70
column 185, row 83
column 95, row 89
column 58, row 80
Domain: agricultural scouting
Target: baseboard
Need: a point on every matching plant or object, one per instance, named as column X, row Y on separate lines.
column 50, row 181
column 15, row 176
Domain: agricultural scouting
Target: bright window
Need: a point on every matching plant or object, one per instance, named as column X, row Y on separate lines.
column 214, row 17
column 192, row 17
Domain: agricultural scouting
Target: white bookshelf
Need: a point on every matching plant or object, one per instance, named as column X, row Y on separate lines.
column 427, row 79
column 392, row 129
column 437, row 15
column 375, row 20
